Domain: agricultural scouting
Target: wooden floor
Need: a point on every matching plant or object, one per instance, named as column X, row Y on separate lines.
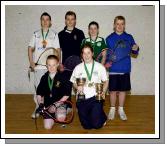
column 139, row 110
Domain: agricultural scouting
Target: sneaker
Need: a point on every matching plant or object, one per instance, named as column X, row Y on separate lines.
column 104, row 123
column 35, row 116
column 111, row 114
column 122, row 114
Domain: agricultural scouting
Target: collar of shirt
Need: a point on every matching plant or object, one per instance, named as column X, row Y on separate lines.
column 52, row 75
column 69, row 31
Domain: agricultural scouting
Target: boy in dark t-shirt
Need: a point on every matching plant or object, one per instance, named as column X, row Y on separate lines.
column 71, row 37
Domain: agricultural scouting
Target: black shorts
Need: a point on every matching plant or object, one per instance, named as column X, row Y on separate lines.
column 118, row 82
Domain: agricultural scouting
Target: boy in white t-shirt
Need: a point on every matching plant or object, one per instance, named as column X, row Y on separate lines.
column 41, row 39
column 91, row 113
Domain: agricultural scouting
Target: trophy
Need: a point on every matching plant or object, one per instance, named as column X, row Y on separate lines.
column 99, row 90
column 81, row 82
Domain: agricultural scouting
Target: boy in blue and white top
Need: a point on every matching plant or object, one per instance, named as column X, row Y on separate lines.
column 119, row 72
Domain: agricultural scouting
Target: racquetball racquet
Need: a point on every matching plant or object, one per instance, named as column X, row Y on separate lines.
column 42, row 58
column 64, row 105
column 71, row 62
column 118, row 53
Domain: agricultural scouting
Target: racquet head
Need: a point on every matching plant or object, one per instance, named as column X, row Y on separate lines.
column 43, row 56
column 71, row 62
column 108, row 55
column 63, row 109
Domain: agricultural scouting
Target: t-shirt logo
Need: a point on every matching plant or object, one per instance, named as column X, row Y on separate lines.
column 40, row 48
column 75, row 37
column 121, row 44
column 99, row 44
column 57, row 84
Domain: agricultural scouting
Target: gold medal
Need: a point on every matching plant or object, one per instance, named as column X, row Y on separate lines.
column 44, row 43
column 90, row 84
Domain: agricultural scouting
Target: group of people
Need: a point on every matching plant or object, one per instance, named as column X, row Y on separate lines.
column 52, row 84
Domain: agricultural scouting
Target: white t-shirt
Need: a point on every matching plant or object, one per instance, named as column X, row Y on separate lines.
column 99, row 75
column 36, row 42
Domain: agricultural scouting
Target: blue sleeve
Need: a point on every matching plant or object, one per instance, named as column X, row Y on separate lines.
column 108, row 43
column 132, row 41
column 135, row 52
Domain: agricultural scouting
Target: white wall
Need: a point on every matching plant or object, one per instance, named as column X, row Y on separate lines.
column 21, row 21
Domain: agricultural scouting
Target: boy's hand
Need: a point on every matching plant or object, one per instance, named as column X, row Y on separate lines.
column 61, row 67
column 135, row 47
column 103, row 95
column 52, row 109
column 32, row 65
column 40, row 108
column 135, row 50
column 79, row 89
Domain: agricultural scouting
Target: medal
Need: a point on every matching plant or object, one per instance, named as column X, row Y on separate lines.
column 90, row 84
column 89, row 75
column 44, row 42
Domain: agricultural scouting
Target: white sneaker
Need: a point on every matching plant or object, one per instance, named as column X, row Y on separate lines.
column 34, row 116
column 122, row 114
column 111, row 114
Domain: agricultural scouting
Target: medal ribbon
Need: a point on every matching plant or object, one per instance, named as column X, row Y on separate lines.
column 87, row 72
column 44, row 37
column 50, row 83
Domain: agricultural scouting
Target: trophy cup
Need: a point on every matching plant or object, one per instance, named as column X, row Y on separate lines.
column 81, row 82
column 99, row 90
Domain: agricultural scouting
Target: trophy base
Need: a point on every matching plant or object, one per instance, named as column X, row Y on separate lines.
column 81, row 98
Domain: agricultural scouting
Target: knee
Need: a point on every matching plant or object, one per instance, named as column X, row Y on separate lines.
column 48, row 124
column 61, row 118
column 113, row 93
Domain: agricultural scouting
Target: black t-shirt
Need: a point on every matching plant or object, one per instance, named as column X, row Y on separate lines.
column 61, row 87
column 70, row 42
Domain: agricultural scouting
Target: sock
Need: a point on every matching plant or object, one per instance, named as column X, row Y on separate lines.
column 121, row 108
column 112, row 107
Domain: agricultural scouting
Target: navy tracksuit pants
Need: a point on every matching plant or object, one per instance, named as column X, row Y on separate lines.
column 91, row 113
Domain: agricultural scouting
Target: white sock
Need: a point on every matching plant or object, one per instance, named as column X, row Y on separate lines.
column 112, row 107
column 121, row 108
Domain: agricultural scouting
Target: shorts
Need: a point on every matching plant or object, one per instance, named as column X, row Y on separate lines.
column 119, row 82
column 61, row 111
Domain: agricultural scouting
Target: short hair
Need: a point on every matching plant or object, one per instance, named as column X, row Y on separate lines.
column 119, row 18
column 70, row 13
column 93, row 23
column 87, row 45
column 45, row 14
column 52, row 57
